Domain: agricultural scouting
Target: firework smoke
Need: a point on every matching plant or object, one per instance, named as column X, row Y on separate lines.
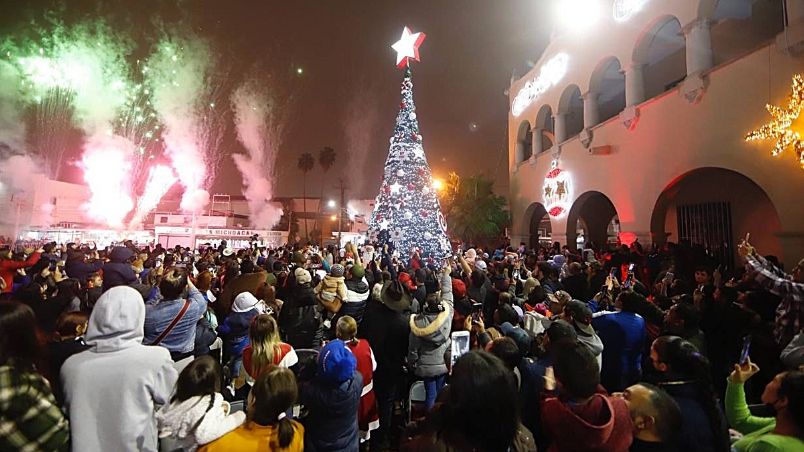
column 359, row 125
column 12, row 128
column 180, row 74
column 260, row 131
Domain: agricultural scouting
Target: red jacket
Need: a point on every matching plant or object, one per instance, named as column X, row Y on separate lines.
column 9, row 266
column 603, row 424
column 368, row 417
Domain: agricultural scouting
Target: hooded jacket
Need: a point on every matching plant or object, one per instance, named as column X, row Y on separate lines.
column 357, row 290
column 118, row 271
column 331, row 288
column 429, row 335
column 112, row 389
column 605, row 425
column 178, row 419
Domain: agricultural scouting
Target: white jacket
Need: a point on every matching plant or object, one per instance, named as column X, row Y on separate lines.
column 178, row 419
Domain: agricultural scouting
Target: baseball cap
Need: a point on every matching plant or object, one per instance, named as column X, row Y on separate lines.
column 520, row 336
column 581, row 316
column 481, row 265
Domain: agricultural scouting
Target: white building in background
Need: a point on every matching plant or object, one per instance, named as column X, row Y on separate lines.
column 53, row 210
column 633, row 127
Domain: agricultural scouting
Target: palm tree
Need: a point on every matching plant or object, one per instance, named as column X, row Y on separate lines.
column 306, row 163
column 326, row 158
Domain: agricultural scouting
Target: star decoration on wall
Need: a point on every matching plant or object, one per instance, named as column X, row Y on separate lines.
column 407, row 47
column 780, row 128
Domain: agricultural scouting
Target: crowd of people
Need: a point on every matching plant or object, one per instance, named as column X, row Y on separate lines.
column 610, row 348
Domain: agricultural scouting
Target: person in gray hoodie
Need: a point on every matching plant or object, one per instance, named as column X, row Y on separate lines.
column 429, row 335
column 112, row 390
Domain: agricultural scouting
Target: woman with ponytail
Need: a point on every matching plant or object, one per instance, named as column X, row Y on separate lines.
column 685, row 375
column 197, row 413
column 268, row 427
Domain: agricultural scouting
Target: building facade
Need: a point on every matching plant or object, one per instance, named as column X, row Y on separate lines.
column 634, row 129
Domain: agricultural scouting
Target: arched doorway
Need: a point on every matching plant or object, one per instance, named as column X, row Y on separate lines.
column 715, row 208
column 593, row 217
column 538, row 225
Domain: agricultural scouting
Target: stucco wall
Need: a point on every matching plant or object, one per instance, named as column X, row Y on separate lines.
column 672, row 138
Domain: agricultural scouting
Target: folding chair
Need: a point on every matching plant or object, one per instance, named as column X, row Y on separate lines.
column 417, row 394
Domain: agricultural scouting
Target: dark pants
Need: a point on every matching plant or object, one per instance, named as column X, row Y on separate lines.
column 386, row 390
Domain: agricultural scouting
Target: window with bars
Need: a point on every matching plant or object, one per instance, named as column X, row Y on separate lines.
column 708, row 225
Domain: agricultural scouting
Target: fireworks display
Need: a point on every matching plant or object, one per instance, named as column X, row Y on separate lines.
column 78, row 90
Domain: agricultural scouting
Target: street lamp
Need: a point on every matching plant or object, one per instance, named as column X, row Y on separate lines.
column 334, row 218
column 438, row 184
column 331, row 204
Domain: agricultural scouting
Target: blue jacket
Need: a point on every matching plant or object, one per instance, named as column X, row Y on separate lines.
column 80, row 269
column 118, row 271
column 623, row 336
column 181, row 338
column 234, row 331
column 332, row 422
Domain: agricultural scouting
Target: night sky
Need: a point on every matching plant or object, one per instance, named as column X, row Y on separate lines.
column 348, row 94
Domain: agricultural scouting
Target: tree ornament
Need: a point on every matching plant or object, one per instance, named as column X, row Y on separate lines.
column 556, row 191
column 400, row 172
column 780, row 128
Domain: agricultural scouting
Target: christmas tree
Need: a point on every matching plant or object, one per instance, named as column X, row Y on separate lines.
column 407, row 214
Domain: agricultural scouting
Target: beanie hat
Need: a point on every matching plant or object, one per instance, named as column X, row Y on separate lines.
column 358, row 271
column 302, row 276
column 336, row 270
column 336, row 363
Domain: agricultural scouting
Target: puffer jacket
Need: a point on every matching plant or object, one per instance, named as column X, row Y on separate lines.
column 299, row 321
column 178, row 421
column 357, row 293
column 118, row 271
column 331, row 288
column 429, row 340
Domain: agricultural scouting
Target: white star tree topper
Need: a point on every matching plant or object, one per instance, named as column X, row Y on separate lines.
column 407, row 47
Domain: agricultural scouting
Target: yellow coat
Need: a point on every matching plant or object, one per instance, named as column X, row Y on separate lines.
column 252, row 437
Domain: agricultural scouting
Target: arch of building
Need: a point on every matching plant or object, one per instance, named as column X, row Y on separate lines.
column 595, row 211
column 713, row 203
column 545, row 128
column 536, row 221
column 660, row 56
column 606, row 91
column 524, row 142
column 569, row 117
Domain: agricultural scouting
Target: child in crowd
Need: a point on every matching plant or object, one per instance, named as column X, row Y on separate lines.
column 197, row 413
column 331, row 292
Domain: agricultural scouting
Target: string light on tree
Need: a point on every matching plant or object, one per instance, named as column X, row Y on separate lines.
column 407, row 214
column 784, row 127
